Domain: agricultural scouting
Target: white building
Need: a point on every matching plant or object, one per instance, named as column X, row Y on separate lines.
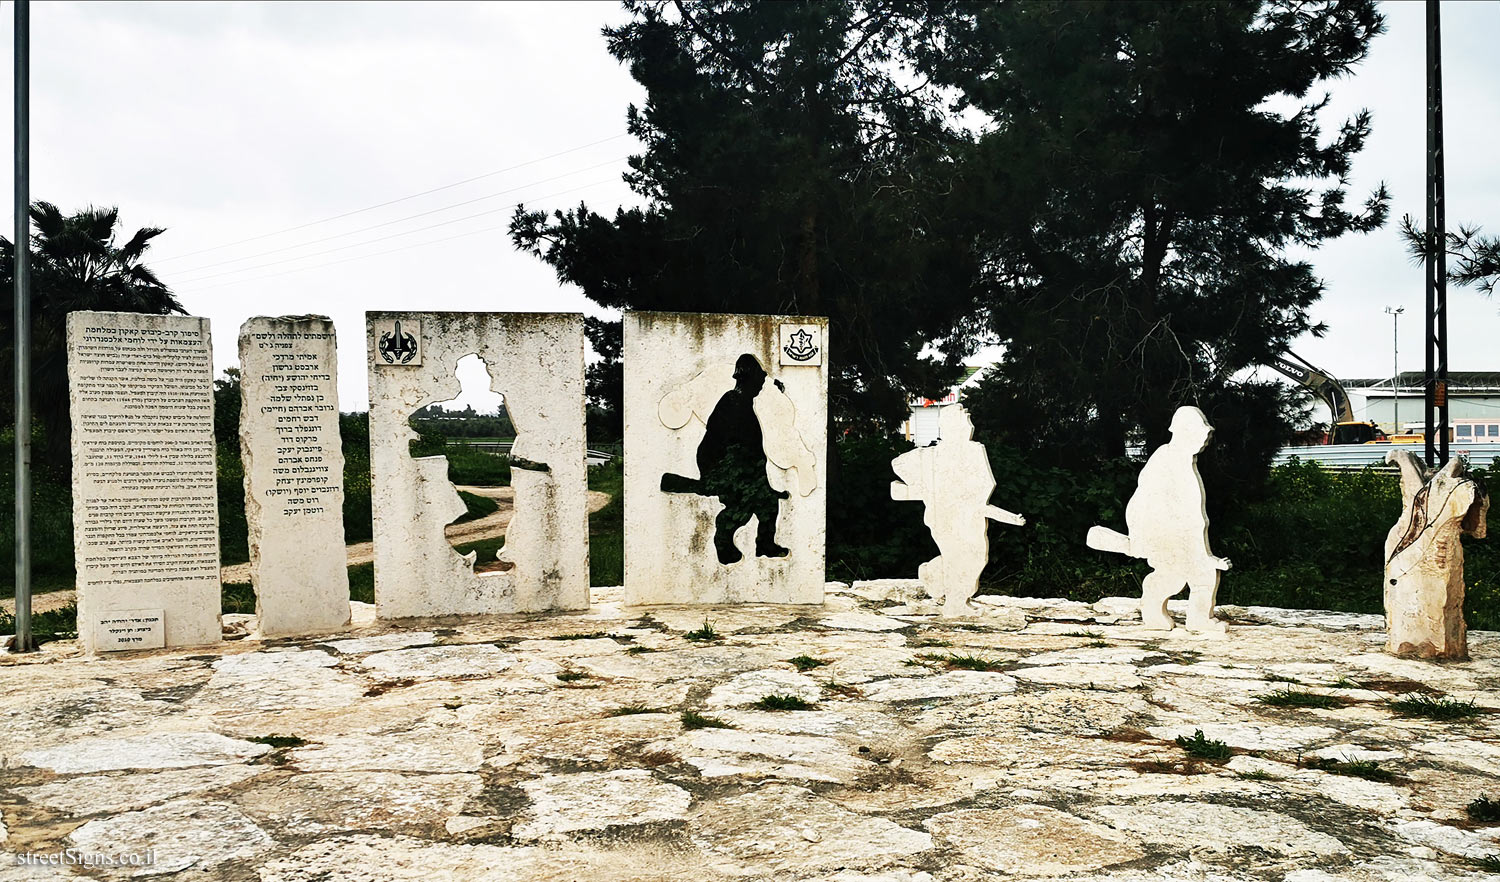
column 921, row 428
column 1473, row 399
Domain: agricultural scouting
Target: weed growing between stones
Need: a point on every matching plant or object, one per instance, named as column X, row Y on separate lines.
column 1257, row 775
column 1489, row 863
column 630, row 710
column 783, row 703
column 848, row 690
column 1278, row 678
column 695, row 720
column 1298, row 698
column 1200, row 747
column 639, row 650
column 278, row 741
column 1344, row 683
column 593, row 635
column 1435, row 707
column 387, row 686
column 1367, row 769
column 930, row 642
column 704, row 633
column 806, row 662
column 963, row 662
column 572, row 676
column 1483, row 810
column 1092, row 634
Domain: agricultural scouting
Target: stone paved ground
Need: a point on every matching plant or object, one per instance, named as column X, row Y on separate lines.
column 554, row 748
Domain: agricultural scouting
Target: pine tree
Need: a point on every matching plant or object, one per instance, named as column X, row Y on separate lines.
column 1135, row 191
column 790, row 165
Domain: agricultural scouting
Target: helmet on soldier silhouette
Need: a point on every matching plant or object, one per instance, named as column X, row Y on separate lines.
column 748, row 374
column 1190, row 427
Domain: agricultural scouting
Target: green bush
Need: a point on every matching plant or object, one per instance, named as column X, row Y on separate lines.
column 607, row 525
column 870, row 535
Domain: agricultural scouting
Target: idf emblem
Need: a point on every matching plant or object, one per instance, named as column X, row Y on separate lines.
column 398, row 344
column 800, row 345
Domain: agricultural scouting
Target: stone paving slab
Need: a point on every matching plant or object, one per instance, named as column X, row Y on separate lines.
column 610, row 746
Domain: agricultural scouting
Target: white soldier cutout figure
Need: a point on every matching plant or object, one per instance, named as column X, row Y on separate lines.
column 1168, row 526
column 953, row 478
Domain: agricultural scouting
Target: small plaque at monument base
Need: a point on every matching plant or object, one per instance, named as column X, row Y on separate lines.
column 119, row 629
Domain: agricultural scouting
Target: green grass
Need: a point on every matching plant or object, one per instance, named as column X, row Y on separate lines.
column 478, row 506
column 703, row 634
column 695, row 720
column 1367, row 769
column 1484, row 810
column 639, row 650
column 783, row 703
column 1278, row 678
column 607, row 525
column 1432, row 707
column 237, row 597
column 1090, row 633
column 573, row 676
column 922, row 644
column 805, row 662
column 278, row 741
column 963, row 662
column 590, row 635
column 476, row 468
column 1256, row 775
column 57, row 624
column 1489, row 863
column 362, row 583
column 1298, row 698
column 1344, row 683
column 631, row 710
column 1203, row 748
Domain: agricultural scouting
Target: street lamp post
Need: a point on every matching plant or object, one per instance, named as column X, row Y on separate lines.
column 1395, row 314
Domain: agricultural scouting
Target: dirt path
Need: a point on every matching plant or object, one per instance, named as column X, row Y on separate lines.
column 488, row 527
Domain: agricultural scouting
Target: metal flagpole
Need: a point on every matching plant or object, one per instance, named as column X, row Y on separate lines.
column 22, row 355
column 1436, row 265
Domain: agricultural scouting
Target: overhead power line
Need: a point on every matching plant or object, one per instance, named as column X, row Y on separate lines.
column 384, row 252
column 335, row 217
column 398, row 220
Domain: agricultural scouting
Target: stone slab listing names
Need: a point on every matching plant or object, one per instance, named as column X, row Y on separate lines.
column 294, row 474
column 145, row 501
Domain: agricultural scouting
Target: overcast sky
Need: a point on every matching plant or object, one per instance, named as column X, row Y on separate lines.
column 244, row 128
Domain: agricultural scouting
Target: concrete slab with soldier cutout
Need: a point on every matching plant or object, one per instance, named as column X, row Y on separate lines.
column 725, row 448
column 535, row 360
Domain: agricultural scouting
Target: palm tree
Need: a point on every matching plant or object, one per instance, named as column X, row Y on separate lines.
column 76, row 264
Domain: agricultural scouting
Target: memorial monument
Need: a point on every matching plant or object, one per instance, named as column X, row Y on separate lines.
column 1424, row 557
column 294, row 474
column 1168, row 527
column 145, row 487
column 535, row 360
column 952, row 478
column 725, row 435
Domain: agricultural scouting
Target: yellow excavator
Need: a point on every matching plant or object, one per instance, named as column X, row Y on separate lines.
column 1345, row 429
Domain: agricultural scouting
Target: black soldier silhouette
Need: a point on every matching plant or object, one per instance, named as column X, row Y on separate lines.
column 732, row 466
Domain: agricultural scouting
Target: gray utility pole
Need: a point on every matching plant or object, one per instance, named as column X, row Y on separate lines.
column 1395, row 369
column 23, row 641
column 1436, row 264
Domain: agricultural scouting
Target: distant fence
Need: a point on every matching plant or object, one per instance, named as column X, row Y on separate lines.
column 502, row 448
column 1353, row 457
